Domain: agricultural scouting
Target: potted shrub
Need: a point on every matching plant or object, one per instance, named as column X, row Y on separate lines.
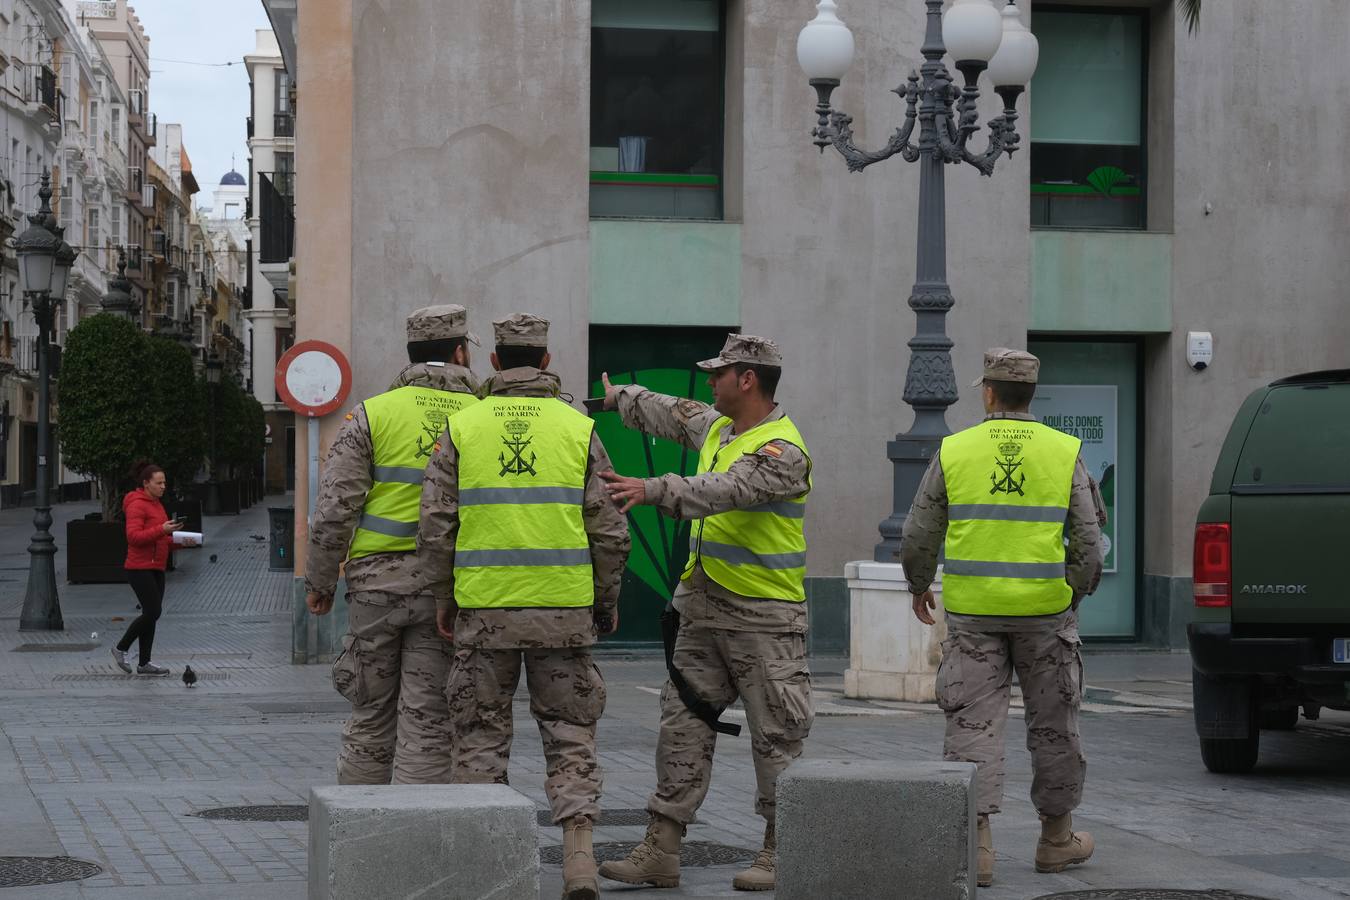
column 105, row 414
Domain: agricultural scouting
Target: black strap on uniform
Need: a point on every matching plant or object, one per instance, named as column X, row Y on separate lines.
column 709, row 714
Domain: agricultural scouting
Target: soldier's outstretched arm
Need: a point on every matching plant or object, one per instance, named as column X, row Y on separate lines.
column 343, row 485
column 607, row 532
column 438, row 519
column 676, row 419
column 925, row 529
column 1083, row 556
column 778, row 471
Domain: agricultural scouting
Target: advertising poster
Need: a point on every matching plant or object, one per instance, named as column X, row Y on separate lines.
column 1088, row 412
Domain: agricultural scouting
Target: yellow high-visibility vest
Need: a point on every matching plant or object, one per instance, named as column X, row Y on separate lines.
column 1008, row 484
column 759, row 551
column 405, row 424
column 522, row 479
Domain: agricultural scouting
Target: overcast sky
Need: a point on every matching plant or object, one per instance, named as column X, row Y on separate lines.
column 211, row 102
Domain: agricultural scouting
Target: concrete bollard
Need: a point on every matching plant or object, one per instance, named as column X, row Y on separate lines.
column 863, row 830
column 452, row 841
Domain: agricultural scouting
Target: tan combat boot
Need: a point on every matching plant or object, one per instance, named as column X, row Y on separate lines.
column 760, row 875
column 655, row 861
column 984, row 853
column 1060, row 846
column 578, row 860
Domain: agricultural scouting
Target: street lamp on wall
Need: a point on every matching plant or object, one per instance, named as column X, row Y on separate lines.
column 979, row 38
column 44, row 270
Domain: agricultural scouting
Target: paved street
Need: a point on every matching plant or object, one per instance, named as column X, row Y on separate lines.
column 109, row 768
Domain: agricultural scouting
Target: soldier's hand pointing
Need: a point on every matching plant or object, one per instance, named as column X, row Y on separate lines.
column 611, row 392
column 625, row 492
column 922, row 604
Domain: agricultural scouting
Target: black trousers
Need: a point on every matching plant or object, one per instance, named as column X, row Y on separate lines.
column 149, row 587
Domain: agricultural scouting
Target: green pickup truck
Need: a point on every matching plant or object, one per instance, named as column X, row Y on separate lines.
column 1271, row 628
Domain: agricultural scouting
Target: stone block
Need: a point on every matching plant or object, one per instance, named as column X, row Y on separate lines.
column 862, row 830
column 451, row 841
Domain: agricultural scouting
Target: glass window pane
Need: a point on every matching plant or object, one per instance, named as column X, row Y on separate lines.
column 1087, row 135
column 656, row 108
column 1298, row 438
column 1088, row 83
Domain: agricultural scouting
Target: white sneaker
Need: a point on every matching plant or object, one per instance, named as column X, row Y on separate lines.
column 120, row 658
column 151, row 669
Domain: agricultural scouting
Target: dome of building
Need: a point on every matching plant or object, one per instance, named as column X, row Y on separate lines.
column 233, row 177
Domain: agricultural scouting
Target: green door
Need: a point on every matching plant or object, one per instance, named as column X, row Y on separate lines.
column 1091, row 389
column 661, row 359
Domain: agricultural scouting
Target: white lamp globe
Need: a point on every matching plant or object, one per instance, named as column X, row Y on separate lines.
column 1015, row 62
column 825, row 45
column 972, row 29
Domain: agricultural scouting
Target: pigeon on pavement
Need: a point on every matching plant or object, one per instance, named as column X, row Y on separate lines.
column 189, row 677
column 213, row 557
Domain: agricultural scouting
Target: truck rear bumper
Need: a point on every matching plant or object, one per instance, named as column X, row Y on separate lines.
column 1217, row 653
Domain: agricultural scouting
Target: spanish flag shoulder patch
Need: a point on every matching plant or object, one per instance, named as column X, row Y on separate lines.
column 771, row 450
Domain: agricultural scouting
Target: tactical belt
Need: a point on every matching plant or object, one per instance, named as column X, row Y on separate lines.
column 709, row 714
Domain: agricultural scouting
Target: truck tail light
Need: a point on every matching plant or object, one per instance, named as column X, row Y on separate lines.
column 1213, row 572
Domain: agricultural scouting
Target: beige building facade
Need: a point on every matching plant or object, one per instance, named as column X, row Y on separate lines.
column 537, row 158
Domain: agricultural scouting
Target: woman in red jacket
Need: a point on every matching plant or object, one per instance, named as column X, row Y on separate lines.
column 149, row 536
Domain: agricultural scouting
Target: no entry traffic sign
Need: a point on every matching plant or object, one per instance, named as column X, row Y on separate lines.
column 313, row 378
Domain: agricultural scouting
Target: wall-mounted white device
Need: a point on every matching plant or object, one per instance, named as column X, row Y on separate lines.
column 1199, row 349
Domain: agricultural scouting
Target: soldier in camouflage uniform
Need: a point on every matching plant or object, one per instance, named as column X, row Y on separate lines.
column 528, row 561
column 733, row 641
column 393, row 664
column 1026, row 622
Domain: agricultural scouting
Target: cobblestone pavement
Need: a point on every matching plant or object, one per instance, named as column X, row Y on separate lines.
column 109, row 768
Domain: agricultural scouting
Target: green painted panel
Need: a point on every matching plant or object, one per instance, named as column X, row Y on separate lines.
column 660, row 359
column 665, row 273
column 1101, row 281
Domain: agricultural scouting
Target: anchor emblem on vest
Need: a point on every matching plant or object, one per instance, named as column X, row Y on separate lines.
column 432, row 429
column 517, row 443
column 1011, row 482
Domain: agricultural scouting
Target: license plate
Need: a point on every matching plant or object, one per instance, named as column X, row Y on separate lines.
column 1340, row 650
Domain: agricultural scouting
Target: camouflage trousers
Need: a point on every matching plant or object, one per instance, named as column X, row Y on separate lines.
column 974, row 683
column 768, row 672
column 392, row 668
column 567, row 698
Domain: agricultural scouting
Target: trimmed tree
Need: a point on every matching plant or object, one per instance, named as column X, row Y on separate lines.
column 240, row 427
column 106, row 403
column 177, row 427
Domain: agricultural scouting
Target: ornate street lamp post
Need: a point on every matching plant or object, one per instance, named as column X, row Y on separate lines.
column 44, row 268
column 118, row 299
column 979, row 38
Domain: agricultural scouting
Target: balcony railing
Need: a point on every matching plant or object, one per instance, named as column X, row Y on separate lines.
column 277, row 216
column 97, row 9
column 159, row 241
column 283, row 125
column 46, row 89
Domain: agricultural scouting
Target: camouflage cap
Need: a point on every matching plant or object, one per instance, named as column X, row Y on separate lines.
column 744, row 348
column 521, row 330
column 1002, row 364
column 437, row 323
